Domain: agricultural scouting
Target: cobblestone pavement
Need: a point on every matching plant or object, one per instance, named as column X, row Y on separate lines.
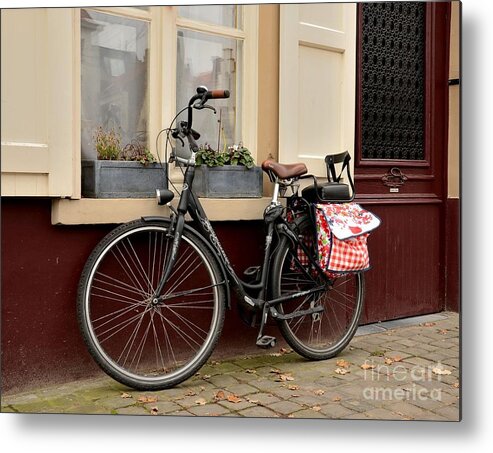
column 401, row 372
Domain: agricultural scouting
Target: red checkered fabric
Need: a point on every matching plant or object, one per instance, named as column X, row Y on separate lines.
column 348, row 255
column 338, row 256
column 301, row 255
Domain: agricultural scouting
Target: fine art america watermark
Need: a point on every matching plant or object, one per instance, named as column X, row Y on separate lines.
column 415, row 382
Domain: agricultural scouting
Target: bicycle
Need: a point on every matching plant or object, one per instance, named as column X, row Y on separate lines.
column 153, row 294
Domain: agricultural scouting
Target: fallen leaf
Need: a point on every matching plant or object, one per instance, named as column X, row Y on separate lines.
column 201, row 402
column 125, row 395
column 206, row 376
column 388, row 361
column 316, row 408
column 367, row 366
column 336, row 399
column 191, row 393
column 455, row 385
column 341, row 371
column 275, row 354
column 251, row 400
column 154, row 410
column 429, row 324
column 214, row 362
column 275, row 371
column 442, row 331
column 293, row 387
column 284, row 378
column 202, row 388
column 397, row 358
column 291, row 416
column 441, row 371
column 251, row 371
column 319, row 392
column 343, row 363
column 284, row 351
column 219, row 395
column 234, row 398
column 147, row 399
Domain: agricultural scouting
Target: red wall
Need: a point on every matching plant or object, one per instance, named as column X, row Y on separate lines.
column 41, row 265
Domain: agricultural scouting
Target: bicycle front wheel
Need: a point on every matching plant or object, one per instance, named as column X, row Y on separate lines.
column 140, row 343
column 325, row 332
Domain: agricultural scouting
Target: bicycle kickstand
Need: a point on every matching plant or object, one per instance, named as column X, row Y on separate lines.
column 265, row 341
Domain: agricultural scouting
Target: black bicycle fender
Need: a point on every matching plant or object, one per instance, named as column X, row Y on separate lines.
column 206, row 243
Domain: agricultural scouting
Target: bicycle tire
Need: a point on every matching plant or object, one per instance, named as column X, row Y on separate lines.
column 322, row 335
column 129, row 337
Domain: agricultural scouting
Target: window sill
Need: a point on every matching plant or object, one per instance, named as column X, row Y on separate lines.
column 110, row 211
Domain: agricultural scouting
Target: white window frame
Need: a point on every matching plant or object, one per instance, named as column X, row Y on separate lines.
column 163, row 27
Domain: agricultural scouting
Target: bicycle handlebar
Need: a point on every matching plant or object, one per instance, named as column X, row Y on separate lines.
column 203, row 95
column 218, row 94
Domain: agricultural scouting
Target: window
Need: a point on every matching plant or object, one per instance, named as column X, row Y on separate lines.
column 210, row 53
column 224, row 15
column 114, row 78
column 137, row 64
column 127, row 55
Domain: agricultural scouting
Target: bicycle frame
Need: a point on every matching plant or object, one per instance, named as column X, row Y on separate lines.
column 189, row 203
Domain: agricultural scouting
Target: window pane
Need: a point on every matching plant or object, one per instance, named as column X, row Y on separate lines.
column 211, row 61
column 226, row 15
column 115, row 57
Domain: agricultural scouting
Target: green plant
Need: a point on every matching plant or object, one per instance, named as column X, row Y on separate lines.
column 236, row 155
column 108, row 147
column 108, row 144
column 137, row 151
column 239, row 155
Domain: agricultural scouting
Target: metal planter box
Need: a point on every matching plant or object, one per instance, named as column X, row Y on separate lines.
column 121, row 179
column 229, row 181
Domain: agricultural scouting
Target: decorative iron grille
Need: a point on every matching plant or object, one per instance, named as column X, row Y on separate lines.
column 393, row 80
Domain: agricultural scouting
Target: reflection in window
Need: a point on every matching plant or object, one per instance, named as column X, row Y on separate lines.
column 114, row 78
column 225, row 15
column 211, row 61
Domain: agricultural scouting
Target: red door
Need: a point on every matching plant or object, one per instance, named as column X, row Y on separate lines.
column 401, row 151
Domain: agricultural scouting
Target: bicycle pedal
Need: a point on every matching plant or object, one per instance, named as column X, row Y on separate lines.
column 266, row 342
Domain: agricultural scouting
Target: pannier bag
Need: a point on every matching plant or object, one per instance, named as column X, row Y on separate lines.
column 342, row 233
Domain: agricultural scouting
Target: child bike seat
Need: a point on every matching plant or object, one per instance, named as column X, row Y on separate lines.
column 333, row 190
column 330, row 191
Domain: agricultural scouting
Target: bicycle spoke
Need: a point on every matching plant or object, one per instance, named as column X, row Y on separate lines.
column 157, row 345
column 187, row 322
column 140, row 269
column 129, row 344
column 186, row 274
column 118, row 283
column 119, row 327
column 182, row 334
column 127, row 268
column 113, row 315
column 116, row 296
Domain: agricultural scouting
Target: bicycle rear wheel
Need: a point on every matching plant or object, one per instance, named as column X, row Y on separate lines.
column 326, row 333
column 141, row 343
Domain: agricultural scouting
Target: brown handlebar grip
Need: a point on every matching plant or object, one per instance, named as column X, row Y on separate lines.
column 219, row 94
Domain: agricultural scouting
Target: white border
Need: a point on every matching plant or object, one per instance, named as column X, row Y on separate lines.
column 52, row 433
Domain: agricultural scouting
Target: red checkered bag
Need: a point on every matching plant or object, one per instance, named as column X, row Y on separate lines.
column 342, row 233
